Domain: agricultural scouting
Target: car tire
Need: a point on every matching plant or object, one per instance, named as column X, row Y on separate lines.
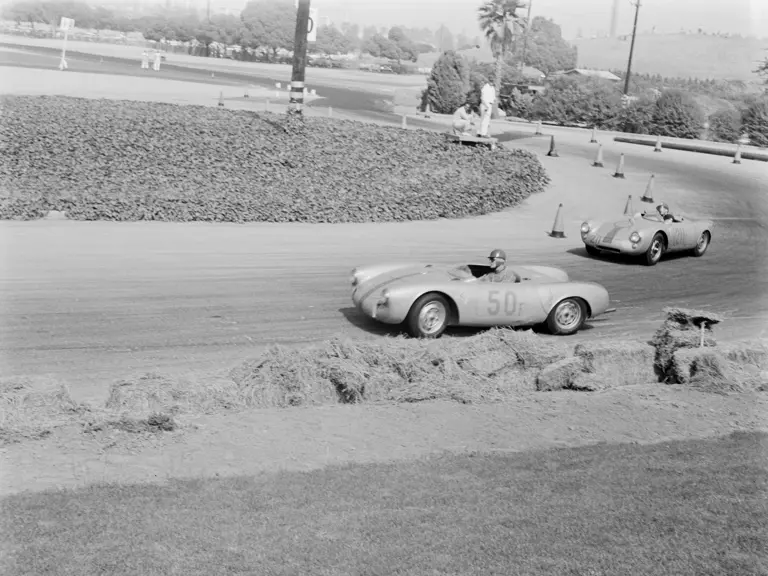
column 702, row 244
column 428, row 317
column 592, row 251
column 655, row 250
column 567, row 317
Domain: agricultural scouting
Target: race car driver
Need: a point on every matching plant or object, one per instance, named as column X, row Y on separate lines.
column 665, row 214
column 500, row 272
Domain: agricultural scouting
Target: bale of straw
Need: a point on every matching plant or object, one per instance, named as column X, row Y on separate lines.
column 610, row 364
column 28, row 411
column 560, row 375
column 682, row 328
column 710, row 370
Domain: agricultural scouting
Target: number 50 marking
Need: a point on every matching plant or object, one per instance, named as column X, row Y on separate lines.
column 497, row 303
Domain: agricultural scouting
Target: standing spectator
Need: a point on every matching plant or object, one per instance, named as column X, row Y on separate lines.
column 157, row 60
column 487, row 98
column 145, row 60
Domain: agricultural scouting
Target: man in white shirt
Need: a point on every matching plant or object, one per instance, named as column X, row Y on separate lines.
column 462, row 120
column 487, row 98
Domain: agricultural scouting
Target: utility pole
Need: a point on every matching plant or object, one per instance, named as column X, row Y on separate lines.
column 631, row 48
column 299, row 58
column 209, row 11
column 525, row 36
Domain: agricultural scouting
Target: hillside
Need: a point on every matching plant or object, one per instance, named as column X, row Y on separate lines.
column 681, row 55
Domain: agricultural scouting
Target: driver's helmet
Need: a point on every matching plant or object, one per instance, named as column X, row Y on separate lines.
column 500, row 254
column 663, row 209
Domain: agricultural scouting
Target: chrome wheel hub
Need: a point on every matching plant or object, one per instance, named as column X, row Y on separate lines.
column 568, row 314
column 432, row 317
column 702, row 243
column 656, row 249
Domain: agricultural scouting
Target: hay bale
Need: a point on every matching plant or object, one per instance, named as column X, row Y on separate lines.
column 710, row 370
column 30, row 411
column 750, row 353
column 683, row 328
column 560, row 375
column 611, row 364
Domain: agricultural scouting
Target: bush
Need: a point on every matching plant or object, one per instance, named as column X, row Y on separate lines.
column 725, row 126
column 115, row 160
column 448, row 83
column 755, row 122
column 570, row 100
column 676, row 114
column 636, row 118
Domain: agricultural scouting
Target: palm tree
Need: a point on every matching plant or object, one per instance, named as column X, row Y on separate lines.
column 495, row 17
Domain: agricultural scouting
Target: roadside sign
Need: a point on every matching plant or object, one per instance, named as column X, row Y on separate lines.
column 66, row 24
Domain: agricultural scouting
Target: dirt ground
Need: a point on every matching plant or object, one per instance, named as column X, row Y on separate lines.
column 307, row 438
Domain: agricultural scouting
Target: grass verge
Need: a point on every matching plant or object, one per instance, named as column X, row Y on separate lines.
column 691, row 507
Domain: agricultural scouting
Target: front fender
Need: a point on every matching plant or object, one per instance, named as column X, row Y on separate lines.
column 595, row 295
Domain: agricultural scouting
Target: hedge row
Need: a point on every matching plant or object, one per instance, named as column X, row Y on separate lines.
column 117, row 160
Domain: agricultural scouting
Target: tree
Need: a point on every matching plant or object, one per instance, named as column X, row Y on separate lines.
column 755, row 121
column 270, row 24
column 379, row 46
column 495, row 17
column 330, row 40
column 443, row 39
column 725, row 125
column 448, row 83
column 545, row 48
column 762, row 70
column 405, row 46
column 676, row 114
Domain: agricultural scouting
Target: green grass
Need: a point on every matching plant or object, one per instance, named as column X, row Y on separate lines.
column 694, row 507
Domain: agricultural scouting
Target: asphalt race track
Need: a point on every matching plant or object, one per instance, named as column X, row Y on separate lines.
column 90, row 302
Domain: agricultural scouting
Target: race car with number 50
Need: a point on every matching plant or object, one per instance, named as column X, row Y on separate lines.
column 428, row 298
column 649, row 235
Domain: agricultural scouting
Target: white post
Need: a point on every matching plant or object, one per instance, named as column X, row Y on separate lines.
column 63, row 63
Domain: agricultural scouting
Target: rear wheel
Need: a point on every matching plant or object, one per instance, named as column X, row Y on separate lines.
column 702, row 244
column 567, row 317
column 428, row 317
column 655, row 250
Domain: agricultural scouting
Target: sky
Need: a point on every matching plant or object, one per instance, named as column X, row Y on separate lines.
column 745, row 17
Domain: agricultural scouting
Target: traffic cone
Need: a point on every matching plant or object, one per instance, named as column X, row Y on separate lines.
column 221, row 98
column 648, row 195
column 552, row 150
column 427, row 112
column 620, row 169
column 538, row 128
column 594, row 136
column 557, row 228
column 657, row 148
column 405, row 122
column 598, row 163
column 628, row 208
column 737, row 158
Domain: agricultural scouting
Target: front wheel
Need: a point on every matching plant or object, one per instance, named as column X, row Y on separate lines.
column 428, row 317
column 702, row 244
column 655, row 250
column 567, row 317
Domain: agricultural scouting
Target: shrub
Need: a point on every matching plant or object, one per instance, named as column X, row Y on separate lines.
column 125, row 161
column 725, row 125
column 676, row 114
column 448, row 83
column 576, row 100
column 755, row 122
column 636, row 118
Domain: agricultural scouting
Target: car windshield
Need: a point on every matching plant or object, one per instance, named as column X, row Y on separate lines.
column 461, row 272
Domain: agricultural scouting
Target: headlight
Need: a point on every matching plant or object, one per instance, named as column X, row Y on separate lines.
column 353, row 277
column 585, row 228
column 383, row 298
column 634, row 237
